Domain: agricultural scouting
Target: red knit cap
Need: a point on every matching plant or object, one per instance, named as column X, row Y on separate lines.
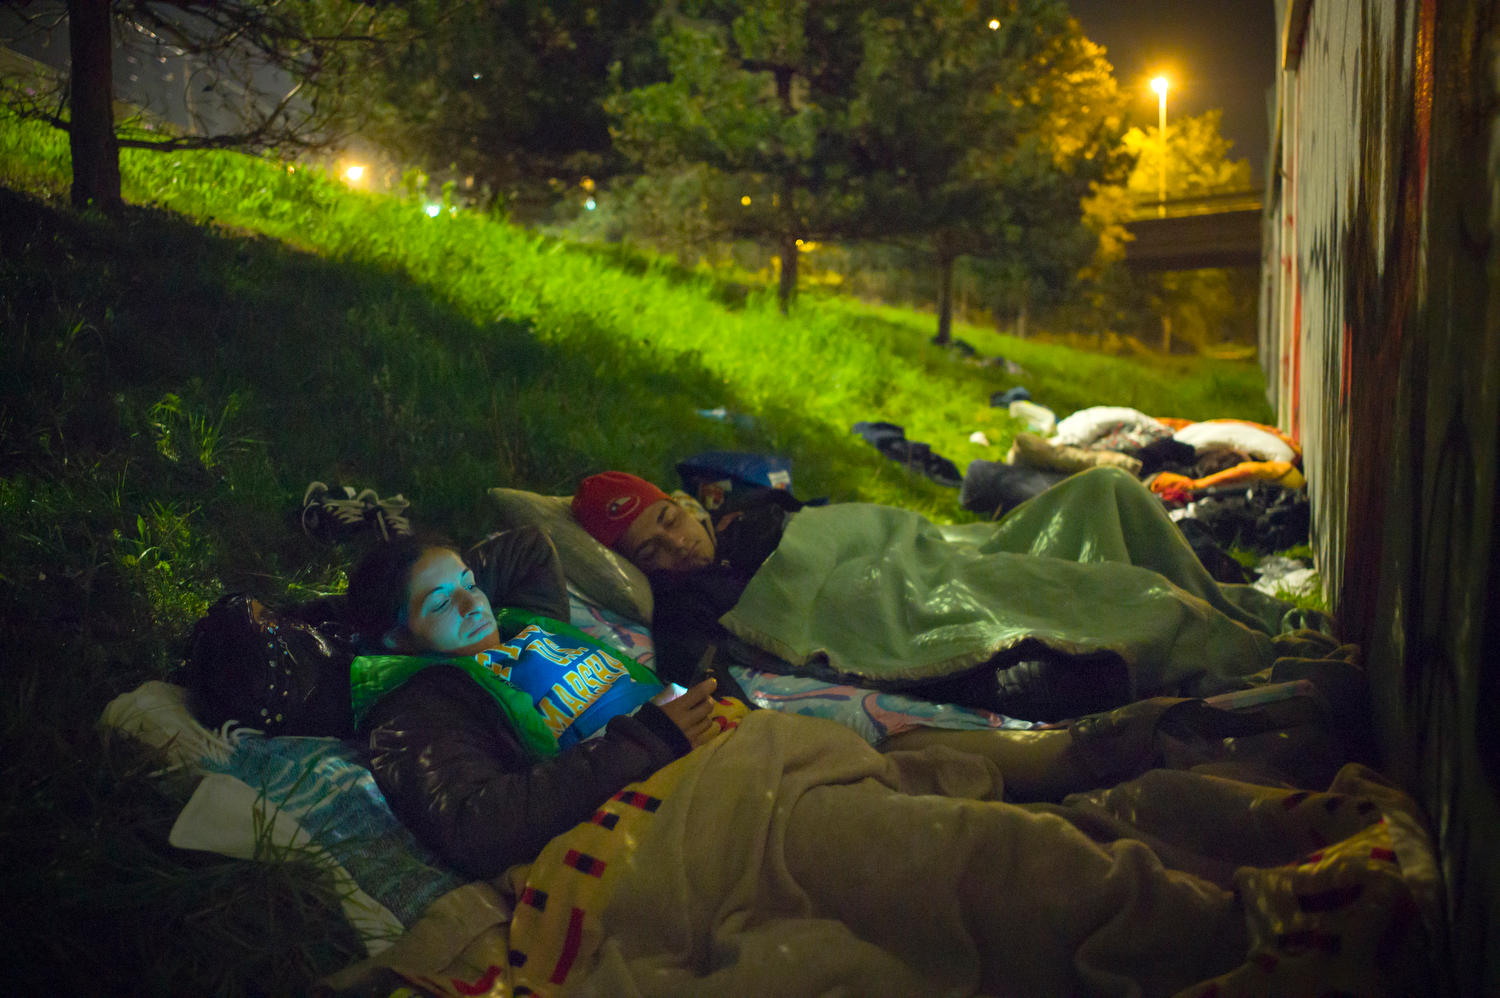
column 608, row 503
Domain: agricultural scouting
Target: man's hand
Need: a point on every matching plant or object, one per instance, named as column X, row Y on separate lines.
column 692, row 712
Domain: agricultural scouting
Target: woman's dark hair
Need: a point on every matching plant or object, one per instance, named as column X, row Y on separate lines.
column 378, row 587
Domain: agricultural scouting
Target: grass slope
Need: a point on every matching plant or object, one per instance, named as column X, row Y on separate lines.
column 169, row 384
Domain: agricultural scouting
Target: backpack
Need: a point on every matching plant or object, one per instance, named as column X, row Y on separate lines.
column 710, row 477
column 273, row 671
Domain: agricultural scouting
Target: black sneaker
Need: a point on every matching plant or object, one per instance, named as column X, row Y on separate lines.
column 338, row 514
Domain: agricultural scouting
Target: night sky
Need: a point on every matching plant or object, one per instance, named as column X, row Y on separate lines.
column 1217, row 53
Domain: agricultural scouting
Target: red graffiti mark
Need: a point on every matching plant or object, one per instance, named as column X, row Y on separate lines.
column 1296, row 428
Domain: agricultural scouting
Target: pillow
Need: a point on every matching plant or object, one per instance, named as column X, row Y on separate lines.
column 597, row 573
column 1260, row 442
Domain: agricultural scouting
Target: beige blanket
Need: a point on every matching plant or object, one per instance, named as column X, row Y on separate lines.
column 789, row 858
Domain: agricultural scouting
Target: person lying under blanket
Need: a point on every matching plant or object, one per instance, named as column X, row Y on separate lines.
column 1081, row 599
column 904, row 872
column 492, row 731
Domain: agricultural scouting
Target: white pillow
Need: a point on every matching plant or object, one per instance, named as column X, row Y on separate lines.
column 593, row 570
column 1258, row 443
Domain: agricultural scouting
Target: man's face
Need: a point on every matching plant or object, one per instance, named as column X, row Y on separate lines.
column 666, row 538
column 446, row 611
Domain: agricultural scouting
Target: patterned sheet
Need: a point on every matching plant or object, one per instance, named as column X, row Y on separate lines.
column 873, row 714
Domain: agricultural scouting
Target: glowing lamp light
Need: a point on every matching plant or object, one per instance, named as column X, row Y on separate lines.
column 1159, row 84
column 994, row 24
column 354, row 173
column 745, row 200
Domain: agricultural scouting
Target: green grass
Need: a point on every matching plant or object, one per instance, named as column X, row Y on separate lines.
column 170, row 382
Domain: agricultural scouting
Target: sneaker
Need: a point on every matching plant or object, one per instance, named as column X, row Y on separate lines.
column 337, row 514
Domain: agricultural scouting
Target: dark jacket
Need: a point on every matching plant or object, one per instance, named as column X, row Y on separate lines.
column 688, row 605
column 454, row 771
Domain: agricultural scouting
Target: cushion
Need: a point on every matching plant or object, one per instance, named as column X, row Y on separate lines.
column 593, row 570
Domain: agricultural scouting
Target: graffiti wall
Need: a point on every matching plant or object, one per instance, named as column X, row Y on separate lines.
column 1380, row 336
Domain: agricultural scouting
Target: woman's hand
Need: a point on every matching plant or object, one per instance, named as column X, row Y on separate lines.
column 693, row 712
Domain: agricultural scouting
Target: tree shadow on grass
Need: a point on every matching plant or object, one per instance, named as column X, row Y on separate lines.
column 169, row 390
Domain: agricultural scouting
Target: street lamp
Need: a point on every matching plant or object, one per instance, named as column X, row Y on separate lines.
column 1160, row 86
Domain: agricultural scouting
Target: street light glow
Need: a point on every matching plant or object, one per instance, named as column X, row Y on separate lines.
column 1159, row 84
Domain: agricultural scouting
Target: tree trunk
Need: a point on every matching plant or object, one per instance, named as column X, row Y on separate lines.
column 91, row 133
column 945, row 261
column 787, row 289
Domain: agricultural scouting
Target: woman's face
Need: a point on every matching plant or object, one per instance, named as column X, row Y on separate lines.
column 666, row 538
column 446, row 611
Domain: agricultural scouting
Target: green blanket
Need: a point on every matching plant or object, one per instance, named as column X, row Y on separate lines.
column 1093, row 564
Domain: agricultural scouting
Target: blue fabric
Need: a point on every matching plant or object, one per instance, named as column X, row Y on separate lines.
column 324, row 783
column 710, row 476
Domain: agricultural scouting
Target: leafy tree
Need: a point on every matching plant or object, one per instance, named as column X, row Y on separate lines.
column 757, row 92
column 1199, row 307
column 264, row 74
column 985, row 129
column 902, row 120
column 1197, row 159
column 509, row 92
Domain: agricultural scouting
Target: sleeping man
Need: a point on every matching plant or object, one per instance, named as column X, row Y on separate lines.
column 1082, row 599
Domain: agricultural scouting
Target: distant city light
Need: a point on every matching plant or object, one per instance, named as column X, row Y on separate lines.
column 354, row 173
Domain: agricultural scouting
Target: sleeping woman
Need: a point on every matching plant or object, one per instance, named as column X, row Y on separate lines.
column 492, row 730
column 904, row 872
